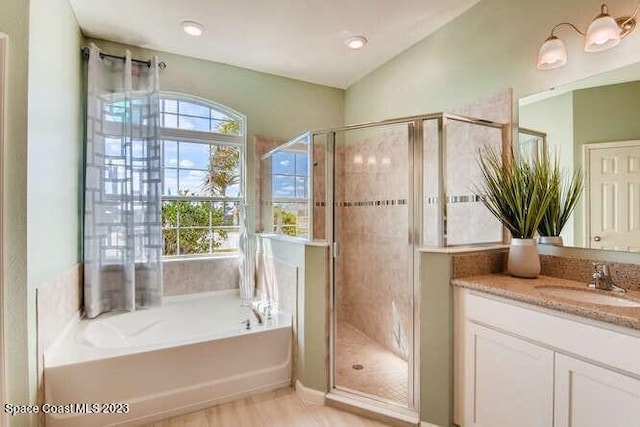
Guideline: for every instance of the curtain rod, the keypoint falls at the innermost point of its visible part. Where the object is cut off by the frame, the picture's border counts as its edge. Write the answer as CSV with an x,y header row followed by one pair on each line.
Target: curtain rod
x,y
85,52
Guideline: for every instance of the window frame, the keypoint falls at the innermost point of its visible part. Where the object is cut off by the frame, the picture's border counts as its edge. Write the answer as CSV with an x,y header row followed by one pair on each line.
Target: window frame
x,y
209,138
296,200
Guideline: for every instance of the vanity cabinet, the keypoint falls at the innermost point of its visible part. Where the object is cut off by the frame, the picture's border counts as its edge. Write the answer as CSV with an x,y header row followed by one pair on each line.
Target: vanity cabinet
x,y
518,364
510,379
587,395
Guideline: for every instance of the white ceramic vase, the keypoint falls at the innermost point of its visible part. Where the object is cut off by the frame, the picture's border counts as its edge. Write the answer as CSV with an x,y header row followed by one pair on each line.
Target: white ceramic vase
x,y
523,258
551,240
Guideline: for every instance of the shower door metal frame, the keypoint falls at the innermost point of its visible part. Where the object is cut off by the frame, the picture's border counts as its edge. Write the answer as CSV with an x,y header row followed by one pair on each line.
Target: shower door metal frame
x,y
415,234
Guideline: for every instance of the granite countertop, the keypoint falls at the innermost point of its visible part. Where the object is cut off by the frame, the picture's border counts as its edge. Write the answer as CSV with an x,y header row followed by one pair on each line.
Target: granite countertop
x,y
524,290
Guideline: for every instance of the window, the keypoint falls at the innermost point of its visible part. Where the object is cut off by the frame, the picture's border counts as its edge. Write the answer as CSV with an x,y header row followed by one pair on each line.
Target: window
x,y
203,171
289,190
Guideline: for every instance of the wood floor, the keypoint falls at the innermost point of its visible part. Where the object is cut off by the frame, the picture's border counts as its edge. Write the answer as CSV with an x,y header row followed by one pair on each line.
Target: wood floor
x,y
281,408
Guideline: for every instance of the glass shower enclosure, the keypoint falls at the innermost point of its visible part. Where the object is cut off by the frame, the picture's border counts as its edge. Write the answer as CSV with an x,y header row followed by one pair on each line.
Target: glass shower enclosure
x,y
377,193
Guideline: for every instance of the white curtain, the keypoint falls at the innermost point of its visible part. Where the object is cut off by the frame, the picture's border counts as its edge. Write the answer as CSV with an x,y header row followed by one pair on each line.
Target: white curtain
x,y
123,186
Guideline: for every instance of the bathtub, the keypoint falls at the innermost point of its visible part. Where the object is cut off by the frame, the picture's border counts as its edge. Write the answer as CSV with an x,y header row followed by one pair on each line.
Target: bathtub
x,y
138,367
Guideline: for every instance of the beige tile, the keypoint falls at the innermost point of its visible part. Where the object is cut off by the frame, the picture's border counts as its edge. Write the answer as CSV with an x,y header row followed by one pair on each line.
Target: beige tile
x,y
384,374
190,276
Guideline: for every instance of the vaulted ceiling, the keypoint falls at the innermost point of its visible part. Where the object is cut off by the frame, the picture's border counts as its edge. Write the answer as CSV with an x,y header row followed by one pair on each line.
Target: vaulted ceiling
x,y
301,39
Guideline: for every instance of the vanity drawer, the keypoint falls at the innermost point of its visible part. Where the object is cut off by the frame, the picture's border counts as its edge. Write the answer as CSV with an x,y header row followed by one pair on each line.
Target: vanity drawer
x,y
599,342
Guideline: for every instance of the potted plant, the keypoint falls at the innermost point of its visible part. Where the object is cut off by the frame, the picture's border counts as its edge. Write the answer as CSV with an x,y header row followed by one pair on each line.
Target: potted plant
x,y
565,190
515,192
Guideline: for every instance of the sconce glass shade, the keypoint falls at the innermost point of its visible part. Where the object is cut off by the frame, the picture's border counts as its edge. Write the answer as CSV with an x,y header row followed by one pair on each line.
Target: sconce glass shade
x,y
552,54
603,33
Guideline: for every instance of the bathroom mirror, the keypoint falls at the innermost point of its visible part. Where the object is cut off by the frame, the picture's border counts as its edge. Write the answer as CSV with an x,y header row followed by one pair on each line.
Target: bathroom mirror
x,y
594,124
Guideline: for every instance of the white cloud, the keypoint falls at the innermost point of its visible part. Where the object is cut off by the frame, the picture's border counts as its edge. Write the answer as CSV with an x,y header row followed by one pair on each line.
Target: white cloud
x,y
186,163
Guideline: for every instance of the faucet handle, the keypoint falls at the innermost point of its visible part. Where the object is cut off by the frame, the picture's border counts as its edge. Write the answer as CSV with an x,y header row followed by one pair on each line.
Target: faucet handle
x,y
601,269
246,323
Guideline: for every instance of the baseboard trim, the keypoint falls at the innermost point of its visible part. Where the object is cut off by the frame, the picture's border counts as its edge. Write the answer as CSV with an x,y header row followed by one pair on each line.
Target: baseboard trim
x,y
309,396
426,424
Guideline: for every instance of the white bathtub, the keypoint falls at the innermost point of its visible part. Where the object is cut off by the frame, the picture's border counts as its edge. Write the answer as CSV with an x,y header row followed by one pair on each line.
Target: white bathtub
x,y
181,357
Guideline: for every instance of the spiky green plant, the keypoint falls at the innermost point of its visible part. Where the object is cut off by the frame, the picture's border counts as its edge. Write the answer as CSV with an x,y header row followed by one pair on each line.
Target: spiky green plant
x,y
565,190
514,191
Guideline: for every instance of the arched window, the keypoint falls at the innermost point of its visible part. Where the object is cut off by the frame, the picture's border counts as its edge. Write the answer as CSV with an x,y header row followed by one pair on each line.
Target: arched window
x,y
203,158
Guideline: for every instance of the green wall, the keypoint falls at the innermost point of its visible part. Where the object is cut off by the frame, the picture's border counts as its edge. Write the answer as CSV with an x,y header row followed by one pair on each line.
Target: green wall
x,y
55,140
41,193
14,21
490,47
598,114
54,152
603,114
606,114
554,116
436,344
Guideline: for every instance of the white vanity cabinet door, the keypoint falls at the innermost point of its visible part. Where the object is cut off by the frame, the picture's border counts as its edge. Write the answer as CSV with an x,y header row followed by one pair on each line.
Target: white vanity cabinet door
x,y
507,381
587,395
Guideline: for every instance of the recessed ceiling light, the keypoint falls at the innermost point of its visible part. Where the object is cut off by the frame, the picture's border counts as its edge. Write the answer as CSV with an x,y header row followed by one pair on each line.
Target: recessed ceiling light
x,y
192,28
356,42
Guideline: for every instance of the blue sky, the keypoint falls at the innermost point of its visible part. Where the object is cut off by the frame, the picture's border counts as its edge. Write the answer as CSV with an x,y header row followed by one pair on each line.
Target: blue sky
x,y
289,174
193,159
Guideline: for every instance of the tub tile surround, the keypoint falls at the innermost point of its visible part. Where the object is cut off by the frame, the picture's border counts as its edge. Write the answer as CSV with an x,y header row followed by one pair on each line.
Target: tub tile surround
x,y
59,302
261,146
197,275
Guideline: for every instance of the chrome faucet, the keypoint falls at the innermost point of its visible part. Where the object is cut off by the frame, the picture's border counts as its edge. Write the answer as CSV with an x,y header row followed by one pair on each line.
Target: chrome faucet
x,y
602,279
257,313
264,307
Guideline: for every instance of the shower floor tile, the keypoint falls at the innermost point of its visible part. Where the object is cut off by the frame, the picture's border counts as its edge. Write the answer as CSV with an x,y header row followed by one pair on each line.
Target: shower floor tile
x,y
383,374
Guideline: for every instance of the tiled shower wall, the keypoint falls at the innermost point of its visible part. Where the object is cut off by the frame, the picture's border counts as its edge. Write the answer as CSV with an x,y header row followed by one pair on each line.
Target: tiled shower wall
x,y
59,301
261,146
319,147
467,222
372,274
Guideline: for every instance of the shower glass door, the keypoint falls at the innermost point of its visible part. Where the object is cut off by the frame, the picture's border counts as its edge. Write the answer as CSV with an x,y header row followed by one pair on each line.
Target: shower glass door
x,y
373,263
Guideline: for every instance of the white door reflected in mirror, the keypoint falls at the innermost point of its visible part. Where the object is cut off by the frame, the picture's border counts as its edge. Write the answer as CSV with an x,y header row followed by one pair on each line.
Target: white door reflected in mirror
x,y
613,195
588,114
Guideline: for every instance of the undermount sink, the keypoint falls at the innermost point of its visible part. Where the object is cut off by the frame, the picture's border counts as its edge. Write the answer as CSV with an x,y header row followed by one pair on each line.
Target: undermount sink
x,y
588,296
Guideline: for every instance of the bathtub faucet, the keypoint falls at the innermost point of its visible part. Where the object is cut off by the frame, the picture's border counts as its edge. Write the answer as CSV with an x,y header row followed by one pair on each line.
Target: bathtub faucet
x,y
262,310
257,313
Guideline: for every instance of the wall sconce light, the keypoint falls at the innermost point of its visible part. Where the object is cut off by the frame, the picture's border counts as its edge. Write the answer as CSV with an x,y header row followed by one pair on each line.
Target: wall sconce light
x,y
603,33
